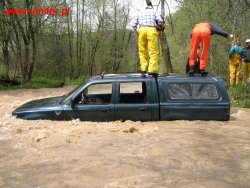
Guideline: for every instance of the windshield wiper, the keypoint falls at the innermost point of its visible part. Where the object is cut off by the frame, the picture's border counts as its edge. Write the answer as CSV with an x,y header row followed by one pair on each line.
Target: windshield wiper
x,y
60,99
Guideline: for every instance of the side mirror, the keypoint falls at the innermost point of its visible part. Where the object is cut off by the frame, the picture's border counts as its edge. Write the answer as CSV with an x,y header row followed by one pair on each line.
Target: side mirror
x,y
72,103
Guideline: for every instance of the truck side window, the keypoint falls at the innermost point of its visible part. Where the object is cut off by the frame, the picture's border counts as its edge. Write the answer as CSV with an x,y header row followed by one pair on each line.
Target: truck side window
x,y
195,91
133,92
96,94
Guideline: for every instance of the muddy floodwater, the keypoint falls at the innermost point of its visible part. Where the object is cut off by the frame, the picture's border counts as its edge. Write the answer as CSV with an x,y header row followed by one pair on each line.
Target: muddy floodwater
x,y
43,153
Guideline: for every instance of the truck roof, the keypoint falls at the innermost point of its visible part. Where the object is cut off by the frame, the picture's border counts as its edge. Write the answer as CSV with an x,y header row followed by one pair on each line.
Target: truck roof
x,y
125,76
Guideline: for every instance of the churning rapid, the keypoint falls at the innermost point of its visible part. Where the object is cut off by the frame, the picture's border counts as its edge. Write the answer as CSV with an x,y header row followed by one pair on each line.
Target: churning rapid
x,y
120,154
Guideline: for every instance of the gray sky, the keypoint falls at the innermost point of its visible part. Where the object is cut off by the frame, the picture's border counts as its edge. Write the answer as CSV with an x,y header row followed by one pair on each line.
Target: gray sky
x,y
140,4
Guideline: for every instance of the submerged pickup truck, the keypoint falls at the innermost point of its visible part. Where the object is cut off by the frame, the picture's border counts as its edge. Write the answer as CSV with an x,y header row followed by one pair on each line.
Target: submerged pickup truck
x,y
132,97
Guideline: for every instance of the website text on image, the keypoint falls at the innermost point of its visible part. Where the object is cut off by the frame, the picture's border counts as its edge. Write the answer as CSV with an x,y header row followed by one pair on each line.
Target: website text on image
x,y
38,11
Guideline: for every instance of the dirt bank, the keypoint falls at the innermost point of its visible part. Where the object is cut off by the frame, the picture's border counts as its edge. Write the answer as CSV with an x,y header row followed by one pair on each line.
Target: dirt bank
x,y
121,154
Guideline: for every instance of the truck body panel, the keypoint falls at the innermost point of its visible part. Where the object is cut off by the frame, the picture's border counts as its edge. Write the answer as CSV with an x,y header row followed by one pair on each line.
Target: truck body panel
x,y
132,97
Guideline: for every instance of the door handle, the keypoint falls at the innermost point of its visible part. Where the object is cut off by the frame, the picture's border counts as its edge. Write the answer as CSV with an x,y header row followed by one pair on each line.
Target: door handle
x,y
143,109
106,110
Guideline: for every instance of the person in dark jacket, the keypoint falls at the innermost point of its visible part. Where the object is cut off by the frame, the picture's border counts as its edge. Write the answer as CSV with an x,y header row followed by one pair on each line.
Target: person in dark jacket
x,y
201,34
246,61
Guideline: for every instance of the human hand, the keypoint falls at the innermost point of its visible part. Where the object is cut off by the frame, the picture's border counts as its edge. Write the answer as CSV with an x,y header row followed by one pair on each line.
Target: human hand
x,y
160,27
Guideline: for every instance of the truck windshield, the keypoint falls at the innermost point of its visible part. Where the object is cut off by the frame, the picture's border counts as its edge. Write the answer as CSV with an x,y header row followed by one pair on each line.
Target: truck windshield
x,y
65,97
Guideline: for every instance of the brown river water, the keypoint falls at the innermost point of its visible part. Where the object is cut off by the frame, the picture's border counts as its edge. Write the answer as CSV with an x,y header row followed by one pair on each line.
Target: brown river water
x,y
43,153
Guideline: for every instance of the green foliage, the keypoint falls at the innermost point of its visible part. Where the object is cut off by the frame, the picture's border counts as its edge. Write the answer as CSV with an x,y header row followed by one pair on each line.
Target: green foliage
x,y
35,83
239,95
234,19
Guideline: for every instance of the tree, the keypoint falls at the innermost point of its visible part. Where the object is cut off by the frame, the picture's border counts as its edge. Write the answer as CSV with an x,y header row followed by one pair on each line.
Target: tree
x,y
5,36
164,45
163,41
25,29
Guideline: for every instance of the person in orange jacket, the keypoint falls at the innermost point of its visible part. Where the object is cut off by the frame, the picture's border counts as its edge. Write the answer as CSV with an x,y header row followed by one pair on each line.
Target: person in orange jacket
x,y
201,34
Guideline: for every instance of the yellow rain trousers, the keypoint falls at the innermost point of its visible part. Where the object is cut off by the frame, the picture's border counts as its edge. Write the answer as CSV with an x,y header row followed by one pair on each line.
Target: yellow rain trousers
x,y
246,70
148,49
234,69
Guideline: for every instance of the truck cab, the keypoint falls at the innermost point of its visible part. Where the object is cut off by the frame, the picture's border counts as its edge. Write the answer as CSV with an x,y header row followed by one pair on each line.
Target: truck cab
x,y
132,97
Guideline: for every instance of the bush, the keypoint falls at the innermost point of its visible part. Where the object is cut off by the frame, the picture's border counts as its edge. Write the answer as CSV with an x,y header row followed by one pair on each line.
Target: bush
x,y
239,95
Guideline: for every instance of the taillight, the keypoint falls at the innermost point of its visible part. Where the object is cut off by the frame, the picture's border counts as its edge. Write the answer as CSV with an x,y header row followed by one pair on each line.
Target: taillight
x,y
228,113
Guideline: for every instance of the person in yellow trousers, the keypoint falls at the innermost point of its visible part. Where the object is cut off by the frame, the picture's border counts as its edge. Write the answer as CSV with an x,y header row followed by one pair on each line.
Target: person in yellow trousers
x,y
246,61
148,46
236,54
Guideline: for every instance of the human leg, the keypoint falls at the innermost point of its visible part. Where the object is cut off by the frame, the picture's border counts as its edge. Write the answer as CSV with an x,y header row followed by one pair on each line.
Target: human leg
x,y
205,42
142,48
237,73
153,50
246,70
231,72
194,44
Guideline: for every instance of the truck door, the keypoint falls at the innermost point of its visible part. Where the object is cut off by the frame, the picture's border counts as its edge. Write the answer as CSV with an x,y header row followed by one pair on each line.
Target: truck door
x,y
132,101
94,103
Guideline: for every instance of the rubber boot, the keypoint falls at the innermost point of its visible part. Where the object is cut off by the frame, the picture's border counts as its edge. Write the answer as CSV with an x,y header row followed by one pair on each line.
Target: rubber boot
x,y
143,74
204,73
191,71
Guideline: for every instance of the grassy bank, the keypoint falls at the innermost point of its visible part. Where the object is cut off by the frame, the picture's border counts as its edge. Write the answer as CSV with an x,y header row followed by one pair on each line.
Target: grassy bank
x,y
43,82
239,95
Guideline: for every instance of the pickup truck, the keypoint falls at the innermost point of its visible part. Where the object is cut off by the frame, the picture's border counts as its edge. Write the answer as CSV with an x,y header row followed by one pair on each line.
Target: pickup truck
x,y
123,97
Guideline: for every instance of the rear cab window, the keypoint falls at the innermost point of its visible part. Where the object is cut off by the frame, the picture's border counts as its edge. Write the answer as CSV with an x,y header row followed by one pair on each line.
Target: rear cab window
x,y
185,90
193,91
